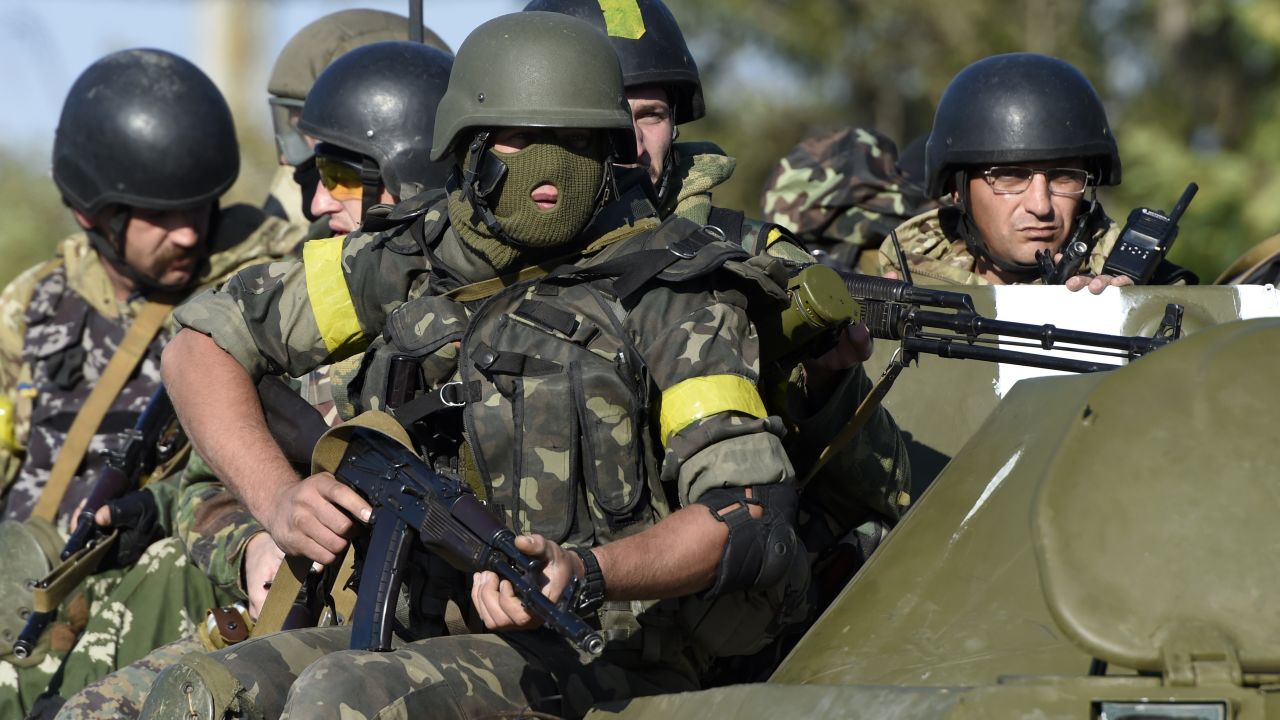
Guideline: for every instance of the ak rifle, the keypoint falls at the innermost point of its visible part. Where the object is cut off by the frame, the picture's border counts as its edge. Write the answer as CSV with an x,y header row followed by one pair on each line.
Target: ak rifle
x,y
412,503
153,439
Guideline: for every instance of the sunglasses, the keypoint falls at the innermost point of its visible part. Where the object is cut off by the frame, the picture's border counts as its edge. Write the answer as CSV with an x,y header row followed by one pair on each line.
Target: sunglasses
x,y
340,177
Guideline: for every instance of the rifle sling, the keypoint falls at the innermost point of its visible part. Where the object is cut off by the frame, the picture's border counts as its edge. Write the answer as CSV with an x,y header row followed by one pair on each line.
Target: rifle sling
x,y
67,576
284,591
860,417
131,351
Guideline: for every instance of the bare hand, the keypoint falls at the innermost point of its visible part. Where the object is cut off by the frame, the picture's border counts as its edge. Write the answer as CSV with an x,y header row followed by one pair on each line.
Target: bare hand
x,y
262,558
1097,284
314,518
496,601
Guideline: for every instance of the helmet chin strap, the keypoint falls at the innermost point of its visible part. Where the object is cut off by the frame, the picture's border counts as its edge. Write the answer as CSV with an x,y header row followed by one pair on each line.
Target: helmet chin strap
x,y
973,239
109,243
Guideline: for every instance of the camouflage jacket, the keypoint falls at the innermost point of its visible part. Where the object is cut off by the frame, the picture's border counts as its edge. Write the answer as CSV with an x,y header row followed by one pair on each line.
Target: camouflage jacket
x,y
842,192
60,323
935,249
292,317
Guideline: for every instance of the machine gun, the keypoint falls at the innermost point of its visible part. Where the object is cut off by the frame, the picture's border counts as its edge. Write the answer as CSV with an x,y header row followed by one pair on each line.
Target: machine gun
x,y
935,322
895,310
408,499
154,439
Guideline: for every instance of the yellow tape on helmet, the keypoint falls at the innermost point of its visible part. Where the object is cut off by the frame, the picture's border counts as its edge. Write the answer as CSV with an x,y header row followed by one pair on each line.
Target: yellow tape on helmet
x,y
327,290
698,397
622,19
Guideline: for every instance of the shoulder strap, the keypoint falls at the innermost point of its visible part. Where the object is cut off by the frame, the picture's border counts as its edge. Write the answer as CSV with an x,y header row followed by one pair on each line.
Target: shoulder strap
x,y
132,349
729,221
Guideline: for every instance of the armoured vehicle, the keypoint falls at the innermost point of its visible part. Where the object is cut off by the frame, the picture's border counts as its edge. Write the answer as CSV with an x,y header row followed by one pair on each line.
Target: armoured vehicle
x,y
1091,550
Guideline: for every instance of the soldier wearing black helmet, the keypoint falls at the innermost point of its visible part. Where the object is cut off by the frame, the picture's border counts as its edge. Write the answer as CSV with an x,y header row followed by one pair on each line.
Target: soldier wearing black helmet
x,y
144,148
303,58
1020,144
372,113
534,187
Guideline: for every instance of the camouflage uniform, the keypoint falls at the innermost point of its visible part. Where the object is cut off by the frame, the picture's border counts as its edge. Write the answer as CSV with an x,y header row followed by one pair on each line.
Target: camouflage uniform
x,y
842,193
681,335
61,324
935,249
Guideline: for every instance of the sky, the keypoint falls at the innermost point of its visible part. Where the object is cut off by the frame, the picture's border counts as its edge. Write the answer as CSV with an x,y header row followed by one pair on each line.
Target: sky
x,y
45,45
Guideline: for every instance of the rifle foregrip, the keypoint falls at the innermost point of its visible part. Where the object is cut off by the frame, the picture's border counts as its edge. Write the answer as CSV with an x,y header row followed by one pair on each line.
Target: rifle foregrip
x,y
553,616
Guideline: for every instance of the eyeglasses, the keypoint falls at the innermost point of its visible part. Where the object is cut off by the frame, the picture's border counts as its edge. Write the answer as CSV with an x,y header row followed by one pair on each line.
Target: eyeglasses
x,y
340,178
1015,179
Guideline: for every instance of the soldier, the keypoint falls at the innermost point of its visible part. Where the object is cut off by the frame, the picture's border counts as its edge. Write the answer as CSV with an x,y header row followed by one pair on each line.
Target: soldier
x,y
534,147
1019,144
303,58
373,108
842,192
865,486
144,148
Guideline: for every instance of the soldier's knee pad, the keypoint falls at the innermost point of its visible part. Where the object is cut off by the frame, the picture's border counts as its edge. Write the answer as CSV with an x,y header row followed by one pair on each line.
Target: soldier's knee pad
x,y
198,687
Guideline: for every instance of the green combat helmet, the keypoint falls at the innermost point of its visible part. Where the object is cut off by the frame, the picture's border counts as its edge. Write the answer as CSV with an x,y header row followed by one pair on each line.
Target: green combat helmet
x,y
567,77
310,51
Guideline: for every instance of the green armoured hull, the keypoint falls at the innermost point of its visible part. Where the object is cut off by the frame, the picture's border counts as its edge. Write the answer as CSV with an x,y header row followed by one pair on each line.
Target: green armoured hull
x,y
1096,549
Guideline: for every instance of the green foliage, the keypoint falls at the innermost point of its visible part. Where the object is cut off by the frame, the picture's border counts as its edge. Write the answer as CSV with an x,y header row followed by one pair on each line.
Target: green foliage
x,y
34,216
1192,89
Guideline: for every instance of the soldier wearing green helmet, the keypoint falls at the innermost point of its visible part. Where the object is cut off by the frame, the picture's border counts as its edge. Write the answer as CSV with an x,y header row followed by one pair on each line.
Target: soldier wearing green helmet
x,y
603,364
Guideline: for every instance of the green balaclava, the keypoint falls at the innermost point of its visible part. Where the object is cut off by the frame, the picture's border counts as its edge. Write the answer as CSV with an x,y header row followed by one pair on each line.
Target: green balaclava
x,y
526,230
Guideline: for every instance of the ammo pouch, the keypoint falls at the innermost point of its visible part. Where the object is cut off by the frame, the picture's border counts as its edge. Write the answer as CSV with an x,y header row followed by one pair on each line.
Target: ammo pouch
x,y
422,330
30,550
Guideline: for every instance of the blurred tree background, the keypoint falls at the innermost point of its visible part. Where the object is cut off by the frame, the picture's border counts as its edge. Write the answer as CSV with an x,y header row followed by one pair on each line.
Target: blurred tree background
x,y
1192,89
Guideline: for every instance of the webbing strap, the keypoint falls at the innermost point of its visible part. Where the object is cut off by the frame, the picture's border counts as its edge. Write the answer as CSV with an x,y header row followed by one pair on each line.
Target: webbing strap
x,y
284,591
860,417
67,576
132,348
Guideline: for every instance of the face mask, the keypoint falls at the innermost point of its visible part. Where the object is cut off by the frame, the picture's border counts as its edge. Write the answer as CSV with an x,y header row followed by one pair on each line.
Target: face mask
x,y
576,176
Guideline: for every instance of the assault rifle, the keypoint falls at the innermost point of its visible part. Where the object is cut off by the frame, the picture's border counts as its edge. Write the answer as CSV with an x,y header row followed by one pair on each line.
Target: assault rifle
x,y
154,439
408,499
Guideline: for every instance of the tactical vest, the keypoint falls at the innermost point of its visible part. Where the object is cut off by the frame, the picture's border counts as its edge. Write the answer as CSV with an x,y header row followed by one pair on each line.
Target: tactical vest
x,y
550,401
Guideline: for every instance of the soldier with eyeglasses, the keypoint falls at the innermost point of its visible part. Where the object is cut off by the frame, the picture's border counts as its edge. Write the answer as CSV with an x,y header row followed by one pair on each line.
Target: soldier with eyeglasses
x,y
1019,145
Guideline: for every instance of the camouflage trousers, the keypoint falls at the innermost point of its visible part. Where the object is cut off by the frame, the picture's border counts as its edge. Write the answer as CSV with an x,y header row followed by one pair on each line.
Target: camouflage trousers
x,y
130,613
307,674
119,696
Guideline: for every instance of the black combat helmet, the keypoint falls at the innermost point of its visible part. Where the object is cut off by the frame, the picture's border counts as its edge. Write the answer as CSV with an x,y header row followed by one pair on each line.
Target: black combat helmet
x,y
1015,108
649,45
311,50
379,102
144,128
